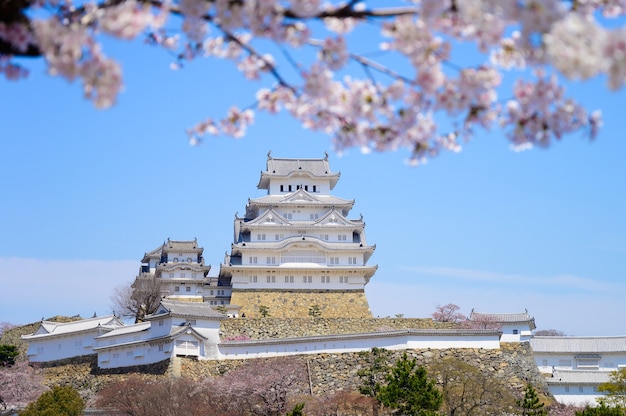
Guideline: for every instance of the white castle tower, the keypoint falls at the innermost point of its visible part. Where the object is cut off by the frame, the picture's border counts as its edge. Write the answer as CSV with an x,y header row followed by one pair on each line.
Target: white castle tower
x,y
296,252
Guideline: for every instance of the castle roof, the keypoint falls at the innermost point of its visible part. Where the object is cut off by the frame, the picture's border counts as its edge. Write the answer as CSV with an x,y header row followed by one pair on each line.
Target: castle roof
x,y
283,167
586,377
579,345
185,309
48,328
504,318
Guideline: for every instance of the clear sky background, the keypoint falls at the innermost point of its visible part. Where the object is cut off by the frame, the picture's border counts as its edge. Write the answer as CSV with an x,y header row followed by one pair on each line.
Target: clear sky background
x,y
85,193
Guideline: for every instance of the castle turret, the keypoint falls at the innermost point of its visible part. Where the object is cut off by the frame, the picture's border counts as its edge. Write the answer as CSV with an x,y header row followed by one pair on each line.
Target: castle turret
x,y
296,251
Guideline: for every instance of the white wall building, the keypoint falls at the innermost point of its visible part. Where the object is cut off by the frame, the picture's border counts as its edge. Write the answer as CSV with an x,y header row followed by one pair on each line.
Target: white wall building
x,y
515,327
298,236
576,366
56,341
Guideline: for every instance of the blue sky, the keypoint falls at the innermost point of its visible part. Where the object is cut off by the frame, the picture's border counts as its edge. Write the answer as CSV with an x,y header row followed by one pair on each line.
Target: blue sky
x,y
86,192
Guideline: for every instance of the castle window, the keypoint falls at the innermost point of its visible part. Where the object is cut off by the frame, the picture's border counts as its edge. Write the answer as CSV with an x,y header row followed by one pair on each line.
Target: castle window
x,y
288,279
260,237
188,259
334,260
252,260
324,237
175,259
177,289
314,188
271,279
253,279
188,289
325,279
515,332
282,188
351,260
161,348
289,188
342,237
160,322
306,187
307,279
343,279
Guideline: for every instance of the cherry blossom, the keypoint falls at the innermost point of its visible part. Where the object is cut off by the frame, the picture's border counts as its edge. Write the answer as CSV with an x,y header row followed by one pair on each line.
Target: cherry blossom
x,y
414,78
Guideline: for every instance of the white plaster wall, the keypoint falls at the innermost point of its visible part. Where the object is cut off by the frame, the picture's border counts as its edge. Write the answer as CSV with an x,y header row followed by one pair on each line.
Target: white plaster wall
x,y
574,397
140,354
611,361
58,348
247,350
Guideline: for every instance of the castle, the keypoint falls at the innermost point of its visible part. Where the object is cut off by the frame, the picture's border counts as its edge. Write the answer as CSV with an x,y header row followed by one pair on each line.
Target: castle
x,y
295,254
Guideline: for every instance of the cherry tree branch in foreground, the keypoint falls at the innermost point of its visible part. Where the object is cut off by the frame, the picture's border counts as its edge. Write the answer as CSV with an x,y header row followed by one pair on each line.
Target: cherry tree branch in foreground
x,y
398,100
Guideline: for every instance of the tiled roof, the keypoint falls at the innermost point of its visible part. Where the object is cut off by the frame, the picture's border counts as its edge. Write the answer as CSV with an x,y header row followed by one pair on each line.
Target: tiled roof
x,y
579,377
57,328
548,344
504,318
320,200
284,166
173,245
190,309
127,329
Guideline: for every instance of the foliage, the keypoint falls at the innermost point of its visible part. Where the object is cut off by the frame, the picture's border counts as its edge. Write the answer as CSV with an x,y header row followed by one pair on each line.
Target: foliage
x,y
297,410
448,313
531,405
373,374
276,381
409,390
136,300
8,353
143,397
264,311
20,384
315,311
394,96
339,403
601,410
615,389
467,391
60,401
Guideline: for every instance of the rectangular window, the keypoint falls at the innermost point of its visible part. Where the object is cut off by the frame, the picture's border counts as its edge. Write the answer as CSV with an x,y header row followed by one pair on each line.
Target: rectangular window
x,y
325,279
289,188
271,260
314,188
161,348
324,237
334,260
515,332
260,237
188,289
565,363
282,188
307,279
177,289
276,237
160,322
253,279
182,275
271,279
252,260
288,279
306,187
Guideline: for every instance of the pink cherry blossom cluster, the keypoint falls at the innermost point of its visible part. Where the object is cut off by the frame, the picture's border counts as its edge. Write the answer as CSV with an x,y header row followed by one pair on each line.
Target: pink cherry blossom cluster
x,y
420,79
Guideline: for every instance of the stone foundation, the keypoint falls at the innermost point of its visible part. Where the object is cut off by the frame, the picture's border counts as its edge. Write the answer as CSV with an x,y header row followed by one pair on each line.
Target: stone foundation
x,y
297,303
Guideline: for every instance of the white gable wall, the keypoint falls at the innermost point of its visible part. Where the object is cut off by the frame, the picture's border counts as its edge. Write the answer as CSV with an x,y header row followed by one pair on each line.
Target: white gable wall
x,y
50,348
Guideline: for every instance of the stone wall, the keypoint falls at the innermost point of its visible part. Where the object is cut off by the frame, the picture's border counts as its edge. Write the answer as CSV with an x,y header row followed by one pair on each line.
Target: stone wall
x,y
264,328
513,365
296,303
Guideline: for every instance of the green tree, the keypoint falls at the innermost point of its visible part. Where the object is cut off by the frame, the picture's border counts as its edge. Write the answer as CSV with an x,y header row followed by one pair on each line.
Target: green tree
x,y
297,410
8,353
468,391
264,311
409,390
615,389
601,410
373,374
60,401
531,405
315,311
